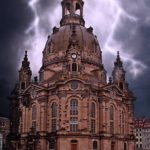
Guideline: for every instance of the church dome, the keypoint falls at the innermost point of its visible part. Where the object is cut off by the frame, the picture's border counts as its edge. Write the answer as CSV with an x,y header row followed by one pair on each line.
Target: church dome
x,y
62,37
72,34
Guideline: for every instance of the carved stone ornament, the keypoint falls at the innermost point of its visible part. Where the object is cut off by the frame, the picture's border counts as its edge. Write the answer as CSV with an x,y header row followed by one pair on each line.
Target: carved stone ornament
x,y
33,94
26,100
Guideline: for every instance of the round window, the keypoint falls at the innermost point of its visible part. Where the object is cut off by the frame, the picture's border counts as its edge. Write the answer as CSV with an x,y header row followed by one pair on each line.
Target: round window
x,y
74,85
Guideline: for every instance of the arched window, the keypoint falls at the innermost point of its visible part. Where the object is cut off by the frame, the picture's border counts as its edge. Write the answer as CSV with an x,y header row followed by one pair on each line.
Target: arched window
x,y
112,145
93,109
125,146
111,116
51,47
74,67
93,117
74,85
121,85
123,123
67,9
73,115
54,117
95,145
21,124
23,85
34,115
78,9
95,45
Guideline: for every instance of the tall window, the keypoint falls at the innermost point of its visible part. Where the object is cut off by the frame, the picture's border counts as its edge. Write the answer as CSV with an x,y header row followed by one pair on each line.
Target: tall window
x,y
67,9
34,115
78,10
54,117
111,119
74,67
123,123
95,145
121,85
93,117
21,124
125,146
23,85
73,115
112,145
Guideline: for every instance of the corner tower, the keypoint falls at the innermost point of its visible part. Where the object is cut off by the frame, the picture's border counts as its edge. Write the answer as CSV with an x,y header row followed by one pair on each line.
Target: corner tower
x,y
119,73
25,73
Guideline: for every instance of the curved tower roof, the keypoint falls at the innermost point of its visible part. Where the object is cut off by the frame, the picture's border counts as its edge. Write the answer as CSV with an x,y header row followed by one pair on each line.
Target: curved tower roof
x,y
72,37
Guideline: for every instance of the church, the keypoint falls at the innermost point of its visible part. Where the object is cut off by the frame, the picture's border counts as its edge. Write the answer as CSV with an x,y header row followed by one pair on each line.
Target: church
x,y
71,105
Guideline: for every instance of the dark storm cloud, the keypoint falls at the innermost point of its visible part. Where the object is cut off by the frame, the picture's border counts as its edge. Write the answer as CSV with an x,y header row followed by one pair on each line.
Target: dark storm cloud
x,y
134,38
46,7
48,4
14,18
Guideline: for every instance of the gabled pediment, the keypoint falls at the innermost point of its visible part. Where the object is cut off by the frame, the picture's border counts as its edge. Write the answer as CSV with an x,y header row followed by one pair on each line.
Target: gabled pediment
x,y
113,88
33,87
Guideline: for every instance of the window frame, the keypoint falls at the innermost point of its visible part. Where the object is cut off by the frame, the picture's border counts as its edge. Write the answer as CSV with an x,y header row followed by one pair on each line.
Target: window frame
x,y
111,117
93,117
54,116
34,116
74,115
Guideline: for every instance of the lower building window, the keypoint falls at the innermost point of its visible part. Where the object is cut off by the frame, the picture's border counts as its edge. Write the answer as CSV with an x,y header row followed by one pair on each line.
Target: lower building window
x,y
74,144
112,145
54,117
34,125
52,144
73,124
23,85
73,115
94,145
111,127
93,125
125,146
53,124
93,117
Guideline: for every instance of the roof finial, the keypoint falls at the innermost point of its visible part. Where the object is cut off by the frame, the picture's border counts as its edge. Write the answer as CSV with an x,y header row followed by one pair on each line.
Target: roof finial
x,y
118,61
26,55
118,55
25,62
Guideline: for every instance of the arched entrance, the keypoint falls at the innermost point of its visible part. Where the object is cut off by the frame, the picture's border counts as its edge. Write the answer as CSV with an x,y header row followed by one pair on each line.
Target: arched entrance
x,y
74,144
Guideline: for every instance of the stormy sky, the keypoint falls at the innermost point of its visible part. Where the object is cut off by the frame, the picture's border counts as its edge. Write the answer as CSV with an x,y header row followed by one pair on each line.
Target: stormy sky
x,y
119,25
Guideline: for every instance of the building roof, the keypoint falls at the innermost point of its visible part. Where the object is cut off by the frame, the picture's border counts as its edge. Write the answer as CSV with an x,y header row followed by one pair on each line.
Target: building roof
x,y
142,123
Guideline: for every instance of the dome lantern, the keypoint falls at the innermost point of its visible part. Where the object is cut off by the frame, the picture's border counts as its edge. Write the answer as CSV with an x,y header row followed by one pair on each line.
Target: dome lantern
x,y
72,12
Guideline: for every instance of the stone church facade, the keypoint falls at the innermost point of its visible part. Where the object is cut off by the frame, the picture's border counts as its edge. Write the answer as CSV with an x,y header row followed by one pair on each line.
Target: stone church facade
x,y
72,106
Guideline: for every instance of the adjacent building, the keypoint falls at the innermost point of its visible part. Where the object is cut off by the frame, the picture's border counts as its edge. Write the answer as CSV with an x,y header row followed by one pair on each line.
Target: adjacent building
x,y
142,133
4,130
72,106
1,141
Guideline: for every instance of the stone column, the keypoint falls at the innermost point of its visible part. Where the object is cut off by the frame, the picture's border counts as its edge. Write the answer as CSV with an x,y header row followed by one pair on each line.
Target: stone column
x,y
43,116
